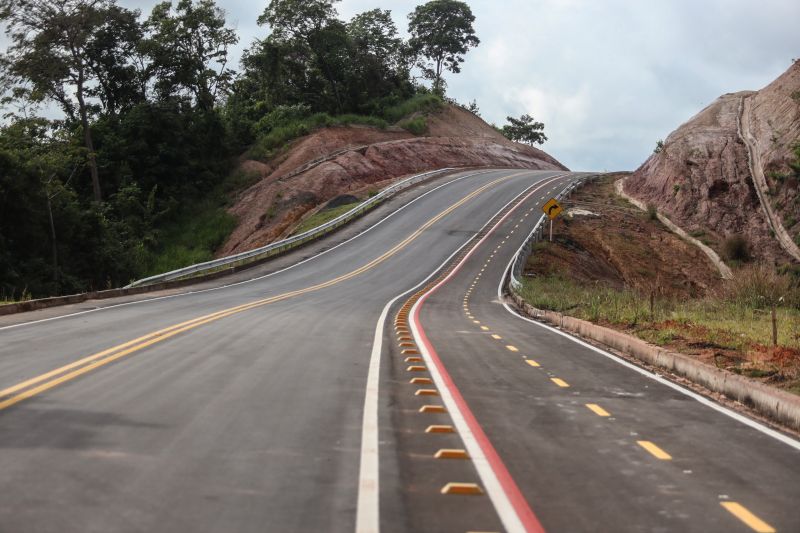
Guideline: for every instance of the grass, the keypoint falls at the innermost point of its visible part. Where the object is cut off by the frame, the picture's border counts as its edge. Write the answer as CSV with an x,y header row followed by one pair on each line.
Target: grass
x,y
199,228
420,103
267,144
416,125
270,142
321,217
192,237
726,324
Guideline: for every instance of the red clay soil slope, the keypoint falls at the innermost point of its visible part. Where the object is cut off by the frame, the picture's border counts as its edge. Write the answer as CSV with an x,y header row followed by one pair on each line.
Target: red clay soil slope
x,y
356,160
701,178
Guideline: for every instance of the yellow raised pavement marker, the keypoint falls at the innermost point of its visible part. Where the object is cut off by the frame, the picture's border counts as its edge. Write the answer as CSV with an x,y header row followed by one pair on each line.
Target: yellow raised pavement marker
x,y
753,522
440,429
450,453
462,488
426,392
532,362
420,381
560,382
654,450
596,409
432,409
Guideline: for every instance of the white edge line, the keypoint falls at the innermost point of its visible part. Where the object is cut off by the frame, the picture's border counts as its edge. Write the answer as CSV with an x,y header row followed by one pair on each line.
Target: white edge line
x,y
702,399
315,256
505,510
368,506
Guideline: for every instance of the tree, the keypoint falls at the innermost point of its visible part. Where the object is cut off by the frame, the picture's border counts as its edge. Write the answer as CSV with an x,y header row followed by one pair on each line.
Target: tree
x,y
316,46
57,47
189,51
297,19
375,34
441,33
525,130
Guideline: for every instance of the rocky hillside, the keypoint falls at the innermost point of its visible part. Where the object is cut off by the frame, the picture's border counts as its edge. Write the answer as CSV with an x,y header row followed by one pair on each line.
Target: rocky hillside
x,y
355,160
726,172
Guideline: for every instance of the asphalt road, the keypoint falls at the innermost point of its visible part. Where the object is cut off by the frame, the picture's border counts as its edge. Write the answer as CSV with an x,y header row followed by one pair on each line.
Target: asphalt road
x,y
267,405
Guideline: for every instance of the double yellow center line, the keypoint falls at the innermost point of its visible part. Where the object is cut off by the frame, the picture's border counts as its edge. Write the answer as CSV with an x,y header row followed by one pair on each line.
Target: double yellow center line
x,y
31,387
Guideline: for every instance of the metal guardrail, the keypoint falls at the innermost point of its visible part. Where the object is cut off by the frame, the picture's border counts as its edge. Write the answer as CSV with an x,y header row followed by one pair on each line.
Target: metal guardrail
x,y
290,242
537,234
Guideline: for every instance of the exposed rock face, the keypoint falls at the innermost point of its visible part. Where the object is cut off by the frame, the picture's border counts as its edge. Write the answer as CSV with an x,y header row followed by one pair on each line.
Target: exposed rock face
x,y
701,178
354,160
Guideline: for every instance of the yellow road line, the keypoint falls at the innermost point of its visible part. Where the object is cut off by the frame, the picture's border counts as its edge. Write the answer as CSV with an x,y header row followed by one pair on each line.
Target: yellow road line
x,y
111,354
532,362
485,328
496,337
657,452
560,382
741,512
596,409
511,348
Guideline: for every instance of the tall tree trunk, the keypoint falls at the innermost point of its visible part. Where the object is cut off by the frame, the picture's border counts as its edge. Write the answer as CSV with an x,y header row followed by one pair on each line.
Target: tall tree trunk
x,y
87,139
55,244
437,84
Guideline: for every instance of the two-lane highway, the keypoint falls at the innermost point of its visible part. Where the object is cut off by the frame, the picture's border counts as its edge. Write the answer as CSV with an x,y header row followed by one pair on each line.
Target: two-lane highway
x,y
381,385
235,409
566,437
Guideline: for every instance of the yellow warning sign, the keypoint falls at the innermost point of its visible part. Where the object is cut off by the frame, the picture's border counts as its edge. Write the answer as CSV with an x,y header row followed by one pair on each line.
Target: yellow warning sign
x,y
552,208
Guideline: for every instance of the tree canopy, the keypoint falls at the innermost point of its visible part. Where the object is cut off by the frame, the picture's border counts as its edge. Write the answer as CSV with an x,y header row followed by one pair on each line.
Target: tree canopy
x,y
525,130
132,178
441,33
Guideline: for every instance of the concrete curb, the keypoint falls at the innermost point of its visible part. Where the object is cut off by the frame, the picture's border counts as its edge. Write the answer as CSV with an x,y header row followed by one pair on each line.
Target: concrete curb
x,y
781,407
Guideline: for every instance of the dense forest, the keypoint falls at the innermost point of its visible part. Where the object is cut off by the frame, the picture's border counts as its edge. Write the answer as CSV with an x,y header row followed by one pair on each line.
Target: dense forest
x,y
133,176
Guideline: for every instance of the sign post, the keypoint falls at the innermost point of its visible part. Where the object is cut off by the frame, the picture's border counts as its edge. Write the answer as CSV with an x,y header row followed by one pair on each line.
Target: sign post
x,y
552,209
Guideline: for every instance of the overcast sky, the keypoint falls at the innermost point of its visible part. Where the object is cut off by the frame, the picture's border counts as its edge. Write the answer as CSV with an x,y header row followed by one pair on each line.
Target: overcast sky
x,y
608,78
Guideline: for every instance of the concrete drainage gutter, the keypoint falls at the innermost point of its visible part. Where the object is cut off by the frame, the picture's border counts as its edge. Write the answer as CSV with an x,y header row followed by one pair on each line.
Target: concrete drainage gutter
x,y
781,407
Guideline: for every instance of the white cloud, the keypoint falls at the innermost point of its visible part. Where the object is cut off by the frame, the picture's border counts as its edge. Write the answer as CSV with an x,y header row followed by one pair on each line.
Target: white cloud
x,y
608,78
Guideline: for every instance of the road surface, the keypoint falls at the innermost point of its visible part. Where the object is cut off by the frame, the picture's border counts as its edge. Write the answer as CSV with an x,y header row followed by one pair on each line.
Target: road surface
x,y
283,403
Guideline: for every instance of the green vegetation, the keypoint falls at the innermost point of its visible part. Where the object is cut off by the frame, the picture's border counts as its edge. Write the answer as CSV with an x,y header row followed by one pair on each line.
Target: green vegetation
x,y
734,321
659,146
525,130
321,217
441,33
416,125
134,177
652,212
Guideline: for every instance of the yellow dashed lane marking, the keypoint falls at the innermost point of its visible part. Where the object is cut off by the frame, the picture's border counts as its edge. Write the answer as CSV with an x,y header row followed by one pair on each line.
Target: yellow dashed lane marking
x,y
495,336
654,450
485,328
532,362
511,348
559,382
753,522
596,409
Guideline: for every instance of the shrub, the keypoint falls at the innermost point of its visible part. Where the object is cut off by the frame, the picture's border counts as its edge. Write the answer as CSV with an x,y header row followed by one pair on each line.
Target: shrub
x,y
422,103
659,147
760,287
736,248
416,125
652,212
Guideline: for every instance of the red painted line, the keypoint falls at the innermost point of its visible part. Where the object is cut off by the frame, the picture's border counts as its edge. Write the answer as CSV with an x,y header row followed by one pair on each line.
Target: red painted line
x,y
509,486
